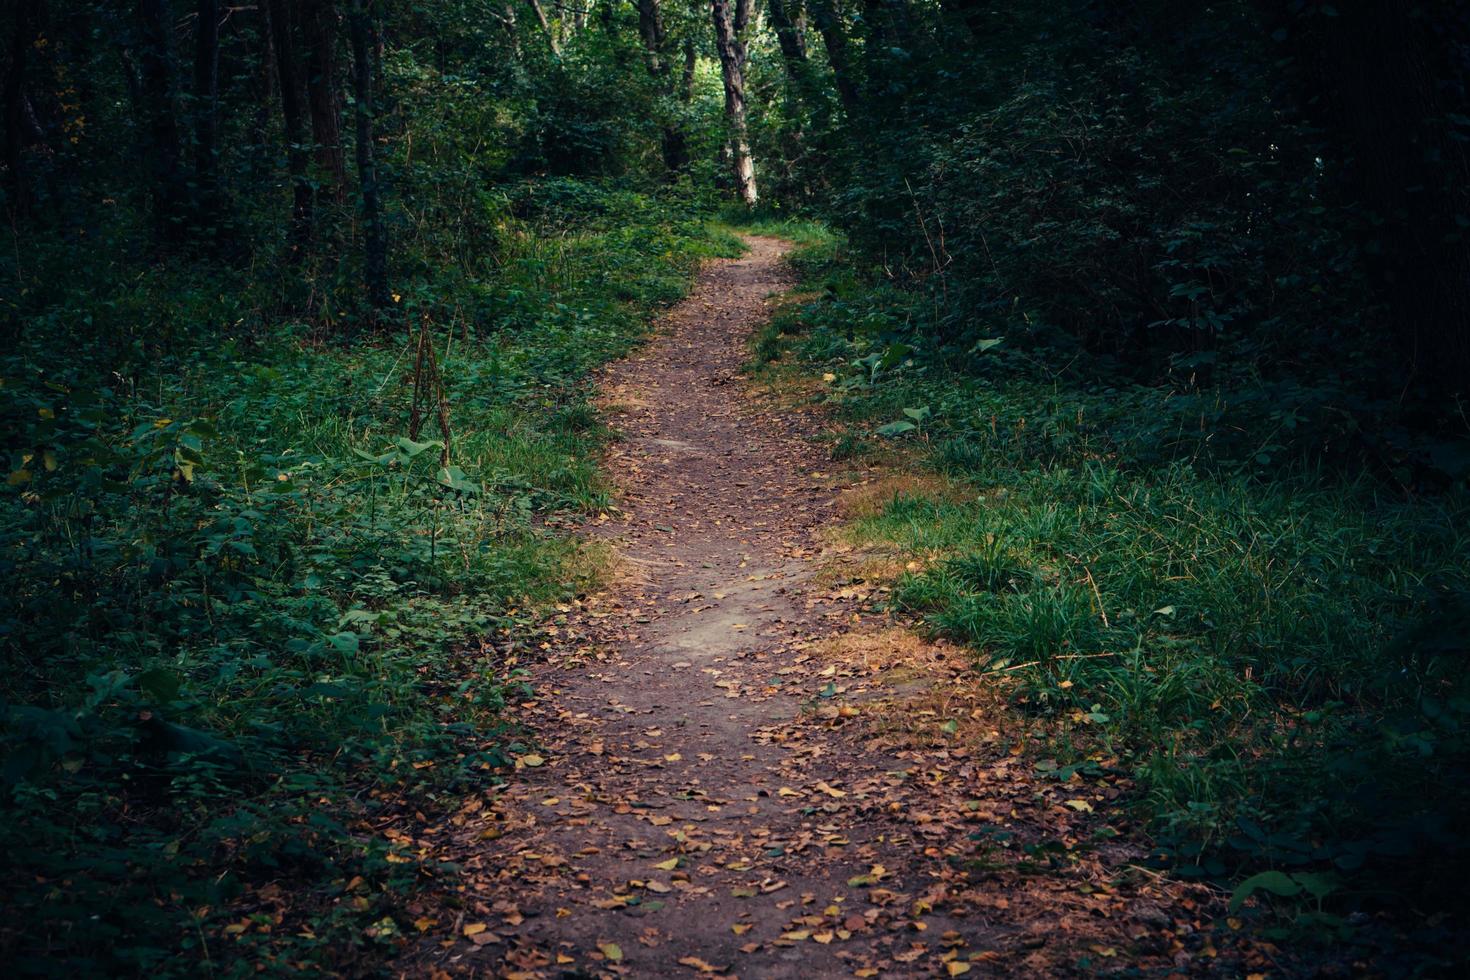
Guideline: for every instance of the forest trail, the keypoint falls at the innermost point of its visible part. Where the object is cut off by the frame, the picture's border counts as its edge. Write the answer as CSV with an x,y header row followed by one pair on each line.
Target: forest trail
x,y
741,771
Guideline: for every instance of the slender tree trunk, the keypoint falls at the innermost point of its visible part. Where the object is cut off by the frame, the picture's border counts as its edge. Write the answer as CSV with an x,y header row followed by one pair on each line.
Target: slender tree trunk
x,y
651,31
319,31
729,25
298,156
691,62
27,14
206,113
551,40
158,89
375,232
265,91
793,44
675,144
508,18
829,24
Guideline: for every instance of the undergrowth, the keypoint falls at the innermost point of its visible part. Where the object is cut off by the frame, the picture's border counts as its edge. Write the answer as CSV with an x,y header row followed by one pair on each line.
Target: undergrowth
x,y
1271,644
248,619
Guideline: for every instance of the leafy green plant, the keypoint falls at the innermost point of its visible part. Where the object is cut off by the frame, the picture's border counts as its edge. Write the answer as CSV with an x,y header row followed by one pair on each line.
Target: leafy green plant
x,y
1269,652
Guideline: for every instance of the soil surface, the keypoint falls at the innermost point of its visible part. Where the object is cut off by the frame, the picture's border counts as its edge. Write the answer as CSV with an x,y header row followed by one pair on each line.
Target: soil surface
x,y
743,769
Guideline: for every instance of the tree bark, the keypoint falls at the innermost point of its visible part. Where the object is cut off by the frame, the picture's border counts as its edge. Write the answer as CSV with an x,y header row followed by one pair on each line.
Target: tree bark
x,y
264,91
691,62
551,40
27,14
793,44
206,113
675,144
375,232
508,18
319,31
829,24
298,156
651,31
159,86
729,25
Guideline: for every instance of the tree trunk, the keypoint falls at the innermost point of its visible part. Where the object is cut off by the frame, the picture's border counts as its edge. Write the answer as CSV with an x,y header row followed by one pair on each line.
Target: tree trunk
x,y
27,15
675,145
508,18
793,44
319,31
829,25
265,92
158,89
375,232
298,157
551,40
691,62
206,114
729,24
651,30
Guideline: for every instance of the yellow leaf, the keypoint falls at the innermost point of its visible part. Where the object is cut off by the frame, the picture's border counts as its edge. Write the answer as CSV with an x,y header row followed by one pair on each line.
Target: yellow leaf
x,y
699,964
956,967
533,760
474,928
612,951
668,865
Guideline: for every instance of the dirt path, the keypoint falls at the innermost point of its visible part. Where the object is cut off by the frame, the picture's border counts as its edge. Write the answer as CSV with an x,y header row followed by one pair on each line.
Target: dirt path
x,y
725,787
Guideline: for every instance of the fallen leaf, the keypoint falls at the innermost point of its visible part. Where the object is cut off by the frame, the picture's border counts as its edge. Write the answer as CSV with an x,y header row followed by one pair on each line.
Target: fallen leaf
x,y
699,964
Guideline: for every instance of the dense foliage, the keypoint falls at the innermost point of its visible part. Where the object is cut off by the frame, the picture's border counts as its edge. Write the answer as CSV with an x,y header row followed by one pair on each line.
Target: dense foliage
x,y
1173,296
1275,660
251,608
301,298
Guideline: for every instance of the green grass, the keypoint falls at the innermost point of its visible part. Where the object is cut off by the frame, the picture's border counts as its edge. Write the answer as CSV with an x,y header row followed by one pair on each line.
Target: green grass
x,y
1273,651
247,620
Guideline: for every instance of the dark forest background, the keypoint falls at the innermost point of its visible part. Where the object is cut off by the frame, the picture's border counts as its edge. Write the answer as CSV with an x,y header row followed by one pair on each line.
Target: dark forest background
x,y
299,302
